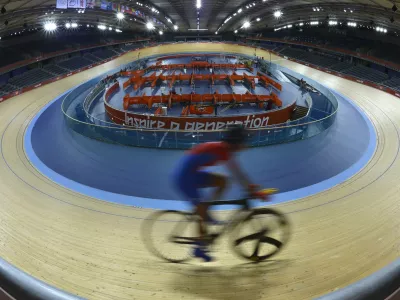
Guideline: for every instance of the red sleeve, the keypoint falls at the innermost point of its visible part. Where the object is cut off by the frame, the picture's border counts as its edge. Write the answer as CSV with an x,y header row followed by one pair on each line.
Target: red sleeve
x,y
219,149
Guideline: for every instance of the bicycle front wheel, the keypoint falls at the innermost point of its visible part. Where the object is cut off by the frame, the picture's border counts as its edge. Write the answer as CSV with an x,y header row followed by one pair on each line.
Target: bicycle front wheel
x,y
170,235
261,234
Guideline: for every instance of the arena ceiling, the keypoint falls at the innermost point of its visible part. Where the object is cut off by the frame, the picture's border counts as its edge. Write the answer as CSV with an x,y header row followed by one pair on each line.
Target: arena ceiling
x,y
214,15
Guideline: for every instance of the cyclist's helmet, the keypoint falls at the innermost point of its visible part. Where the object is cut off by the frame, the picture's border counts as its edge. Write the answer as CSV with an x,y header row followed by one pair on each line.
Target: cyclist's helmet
x,y
236,134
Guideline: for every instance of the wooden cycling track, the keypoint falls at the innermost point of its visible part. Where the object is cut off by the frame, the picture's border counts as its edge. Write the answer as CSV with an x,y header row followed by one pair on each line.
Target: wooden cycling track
x,y
93,249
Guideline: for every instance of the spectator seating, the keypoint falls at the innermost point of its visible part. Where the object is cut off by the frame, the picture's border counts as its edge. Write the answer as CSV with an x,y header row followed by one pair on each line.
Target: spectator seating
x,y
393,83
341,66
8,88
129,47
75,63
105,54
320,60
55,69
91,57
279,48
29,78
367,73
118,50
269,46
294,53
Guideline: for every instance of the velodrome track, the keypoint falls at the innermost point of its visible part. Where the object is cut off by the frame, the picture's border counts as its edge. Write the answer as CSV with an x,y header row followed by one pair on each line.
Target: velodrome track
x,y
93,249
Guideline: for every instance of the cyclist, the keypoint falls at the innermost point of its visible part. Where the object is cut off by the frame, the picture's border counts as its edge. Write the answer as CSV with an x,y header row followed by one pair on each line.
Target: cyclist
x,y
190,176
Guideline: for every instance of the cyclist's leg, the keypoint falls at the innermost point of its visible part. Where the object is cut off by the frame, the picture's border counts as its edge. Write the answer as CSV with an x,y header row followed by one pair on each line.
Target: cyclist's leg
x,y
188,184
219,182
211,180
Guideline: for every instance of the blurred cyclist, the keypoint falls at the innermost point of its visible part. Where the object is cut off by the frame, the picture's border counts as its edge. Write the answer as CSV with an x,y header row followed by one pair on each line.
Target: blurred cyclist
x,y
190,176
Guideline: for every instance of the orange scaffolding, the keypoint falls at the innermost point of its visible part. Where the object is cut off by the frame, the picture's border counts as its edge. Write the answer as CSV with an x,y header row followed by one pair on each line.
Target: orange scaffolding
x,y
137,81
192,99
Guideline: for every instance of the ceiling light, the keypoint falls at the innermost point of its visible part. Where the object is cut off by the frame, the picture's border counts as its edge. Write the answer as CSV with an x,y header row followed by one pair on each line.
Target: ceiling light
x,y
50,26
118,30
176,27
240,10
101,27
198,4
160,32
258,19
74,25
246,25
68,25
110,28
150,25
235,31
278,14
120,16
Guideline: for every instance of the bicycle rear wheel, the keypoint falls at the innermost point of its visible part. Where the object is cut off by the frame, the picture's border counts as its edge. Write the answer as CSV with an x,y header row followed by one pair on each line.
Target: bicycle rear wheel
x,y
260,235
170,235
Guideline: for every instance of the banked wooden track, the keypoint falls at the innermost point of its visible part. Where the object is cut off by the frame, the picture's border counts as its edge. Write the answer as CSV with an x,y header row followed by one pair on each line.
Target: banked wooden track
x,y
93,248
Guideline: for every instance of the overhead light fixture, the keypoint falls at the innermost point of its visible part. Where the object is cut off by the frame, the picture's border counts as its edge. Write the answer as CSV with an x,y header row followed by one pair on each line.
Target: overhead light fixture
x,y
246,25
380,29
240,10
216,32
101,27
236,31
50,26
74,25
352,24
120,16
150,25
258,19
278,14
301,24
314,23
176,27
110,28
160,32
118,30
68,25
332,23
198,4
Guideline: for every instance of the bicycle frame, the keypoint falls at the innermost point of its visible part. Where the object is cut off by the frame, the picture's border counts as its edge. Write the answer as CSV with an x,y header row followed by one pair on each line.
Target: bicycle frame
x,y
243,203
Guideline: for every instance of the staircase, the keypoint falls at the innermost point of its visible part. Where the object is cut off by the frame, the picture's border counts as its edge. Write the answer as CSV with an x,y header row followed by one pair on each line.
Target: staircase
x,y
299,112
